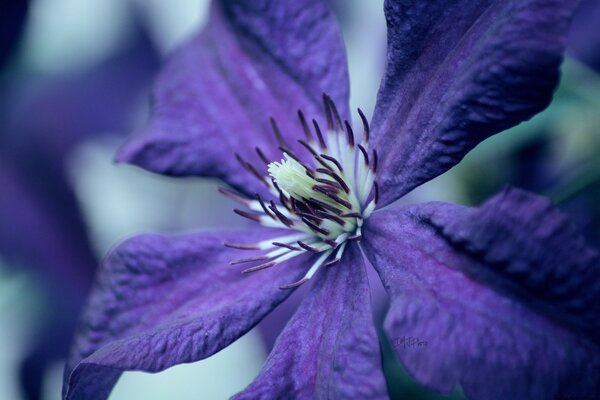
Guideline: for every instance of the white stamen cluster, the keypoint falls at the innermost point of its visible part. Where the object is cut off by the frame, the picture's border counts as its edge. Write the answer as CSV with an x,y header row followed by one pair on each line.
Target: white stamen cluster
x,y
323,201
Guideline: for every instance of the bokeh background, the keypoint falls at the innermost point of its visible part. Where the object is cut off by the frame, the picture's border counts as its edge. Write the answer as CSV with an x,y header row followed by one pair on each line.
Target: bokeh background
x,y
74,82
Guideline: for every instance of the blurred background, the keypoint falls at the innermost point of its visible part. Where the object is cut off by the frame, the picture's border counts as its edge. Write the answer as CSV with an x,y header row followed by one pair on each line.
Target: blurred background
x,y
75,77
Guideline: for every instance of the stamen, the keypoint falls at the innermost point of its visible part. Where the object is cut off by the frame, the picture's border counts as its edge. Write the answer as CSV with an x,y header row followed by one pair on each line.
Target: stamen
x,y
262,156
277,132
241,246
319,134
234,196
324,196
333,160
285,220
365,154
365,123
287,246
307,247
263,206
374,164
305,128
245,214
250,168
250,259
313,269
350,134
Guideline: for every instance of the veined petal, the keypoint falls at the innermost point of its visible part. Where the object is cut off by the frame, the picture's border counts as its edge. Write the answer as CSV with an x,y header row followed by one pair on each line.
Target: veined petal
x,y
458,72
329,349
214,97
161,301
503,300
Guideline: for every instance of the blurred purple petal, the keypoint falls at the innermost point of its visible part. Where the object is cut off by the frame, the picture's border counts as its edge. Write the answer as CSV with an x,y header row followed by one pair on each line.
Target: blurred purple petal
x,y
329,349
43,119
584,37
161,301
214,97
503,300
457,73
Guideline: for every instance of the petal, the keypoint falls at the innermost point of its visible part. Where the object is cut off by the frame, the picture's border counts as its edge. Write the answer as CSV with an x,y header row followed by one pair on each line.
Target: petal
x,y
503,300
457,73
584,41
161,301
216,93
329,349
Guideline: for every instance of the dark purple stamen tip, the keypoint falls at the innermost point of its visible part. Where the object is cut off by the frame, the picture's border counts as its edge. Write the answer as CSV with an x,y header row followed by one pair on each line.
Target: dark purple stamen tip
x,y
305,127
349,133
241,246
284,220
319,134
262,156
277,132
364,153
333,160
315,228
375,161
249,259
287,246
264,207
337,178
327,192
246,214
259,267
307,247
351,215
332,262
234,196
295,284
365,123
250,168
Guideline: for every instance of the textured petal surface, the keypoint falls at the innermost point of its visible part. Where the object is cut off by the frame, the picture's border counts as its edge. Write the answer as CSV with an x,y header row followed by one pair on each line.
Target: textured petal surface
x,y
329,349
504,299
161,301
459,71
214,97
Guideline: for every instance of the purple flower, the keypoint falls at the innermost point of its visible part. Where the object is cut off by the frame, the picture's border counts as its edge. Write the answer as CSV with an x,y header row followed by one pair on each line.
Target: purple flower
x,y
502,299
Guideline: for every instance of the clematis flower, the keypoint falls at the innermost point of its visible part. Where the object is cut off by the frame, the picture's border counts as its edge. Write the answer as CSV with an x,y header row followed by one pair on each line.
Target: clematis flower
x,y
502,299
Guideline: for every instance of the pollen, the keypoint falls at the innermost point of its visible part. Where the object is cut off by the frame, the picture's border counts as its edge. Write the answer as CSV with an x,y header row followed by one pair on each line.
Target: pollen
x,y
322,197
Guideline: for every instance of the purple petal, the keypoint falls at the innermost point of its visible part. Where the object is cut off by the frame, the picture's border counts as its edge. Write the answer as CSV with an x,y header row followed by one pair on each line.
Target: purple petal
x,y
457,73
214,97
503,300
584,40
161,301
329,349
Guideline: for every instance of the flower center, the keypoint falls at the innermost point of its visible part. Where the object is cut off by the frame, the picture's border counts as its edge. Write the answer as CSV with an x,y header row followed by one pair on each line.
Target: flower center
x,y
323,199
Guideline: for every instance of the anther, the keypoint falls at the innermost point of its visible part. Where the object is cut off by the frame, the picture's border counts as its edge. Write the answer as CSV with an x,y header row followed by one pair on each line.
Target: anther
x,y
245,214
240,246
365,123
350,134
364,153
319,134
